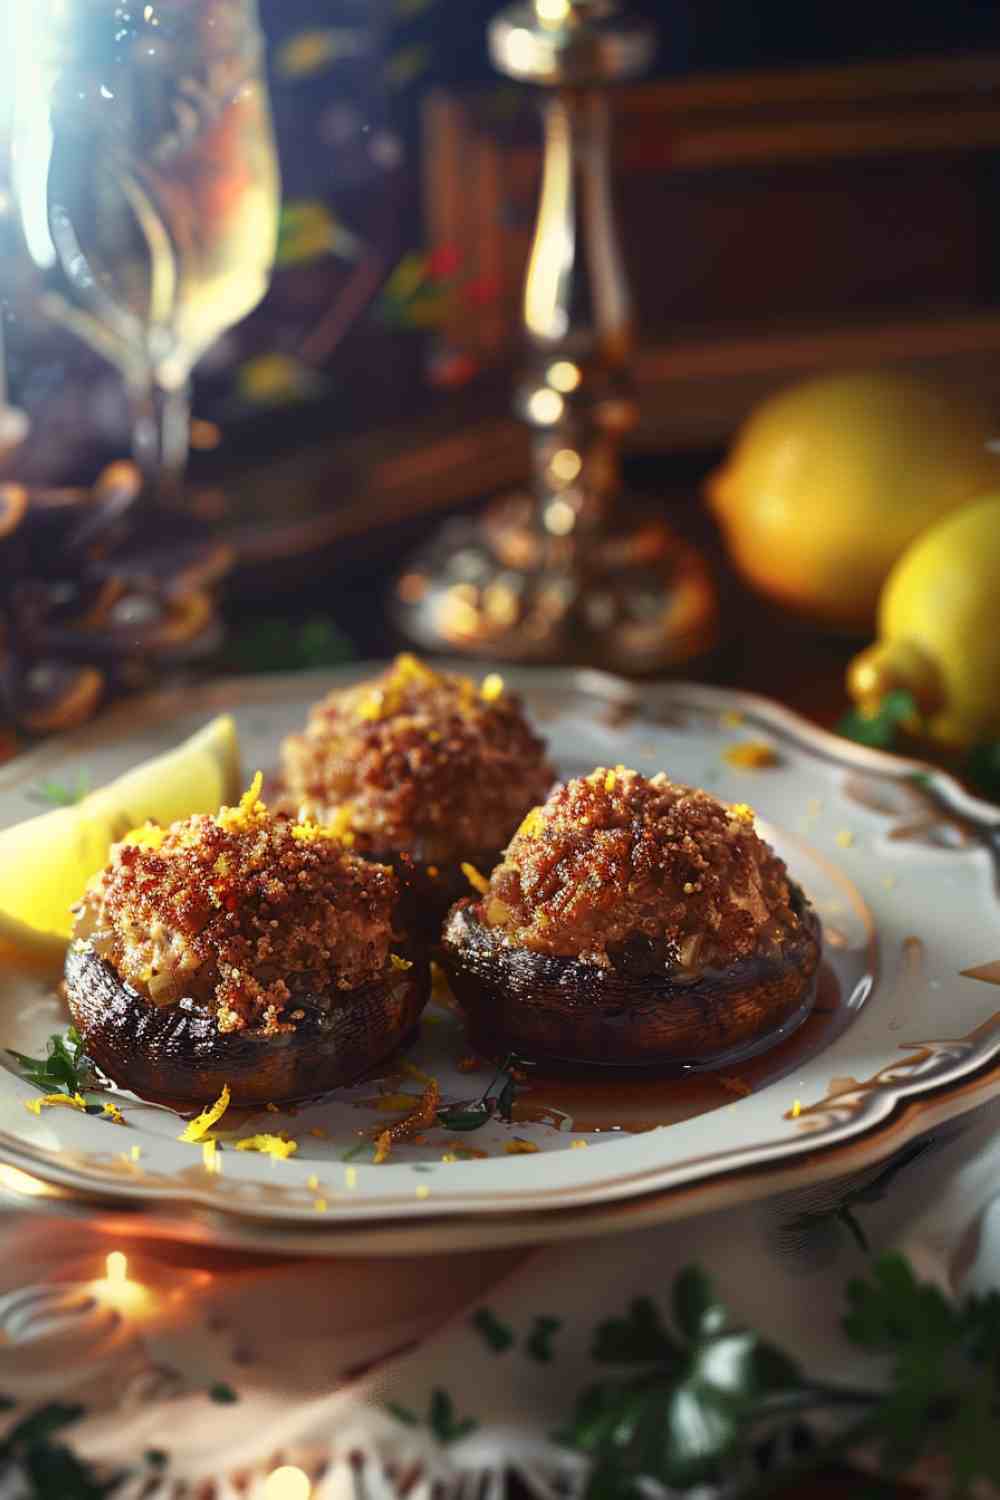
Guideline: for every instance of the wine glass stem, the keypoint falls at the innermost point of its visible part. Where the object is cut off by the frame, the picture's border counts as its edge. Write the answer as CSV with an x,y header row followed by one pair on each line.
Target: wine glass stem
x,y
161,422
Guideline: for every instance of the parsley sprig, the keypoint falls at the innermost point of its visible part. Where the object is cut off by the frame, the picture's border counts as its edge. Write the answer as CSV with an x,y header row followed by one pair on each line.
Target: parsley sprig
x,y
707,1401
497,1099
33,1450
65,1068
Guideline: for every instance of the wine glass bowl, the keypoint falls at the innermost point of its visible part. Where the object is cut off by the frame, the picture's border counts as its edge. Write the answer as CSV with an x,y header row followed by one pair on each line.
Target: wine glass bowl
x,y
146,177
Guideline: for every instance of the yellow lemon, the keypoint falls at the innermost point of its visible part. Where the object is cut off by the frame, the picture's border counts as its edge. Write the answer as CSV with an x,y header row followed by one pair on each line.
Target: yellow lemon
x,y
45,862
938,628
828,482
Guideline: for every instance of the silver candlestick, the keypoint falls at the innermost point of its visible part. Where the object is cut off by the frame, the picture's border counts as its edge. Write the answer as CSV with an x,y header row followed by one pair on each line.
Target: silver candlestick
x,y
572,570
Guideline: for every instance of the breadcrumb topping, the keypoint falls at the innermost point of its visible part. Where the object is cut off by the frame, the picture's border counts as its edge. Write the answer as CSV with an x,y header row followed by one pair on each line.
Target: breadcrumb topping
x,y
245,911
616,856
418,760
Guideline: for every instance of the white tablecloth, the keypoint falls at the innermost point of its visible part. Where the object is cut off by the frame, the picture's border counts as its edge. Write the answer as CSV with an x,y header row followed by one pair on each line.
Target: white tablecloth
x,y
316,1351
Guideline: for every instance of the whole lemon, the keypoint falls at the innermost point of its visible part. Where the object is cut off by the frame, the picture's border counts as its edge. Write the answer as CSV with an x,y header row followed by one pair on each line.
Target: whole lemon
x,y
939,628
828,481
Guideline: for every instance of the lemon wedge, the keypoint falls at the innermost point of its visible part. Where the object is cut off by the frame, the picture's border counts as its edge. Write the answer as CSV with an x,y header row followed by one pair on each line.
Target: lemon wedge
x,y
46,862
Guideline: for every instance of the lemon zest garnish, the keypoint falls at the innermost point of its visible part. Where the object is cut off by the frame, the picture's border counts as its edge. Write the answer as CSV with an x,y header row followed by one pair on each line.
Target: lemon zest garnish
x,y
56,1101
492,687
278,1146
198,1128
312,1182
751,755
210,1158
796,1109
578,1145
135,1152
310,833
423,1191
146,836
337,826
449,1156
531,825
250,810
113,1113
320,1205
743,811
475,879
518,1146
400,964
387,698
350,1177
845,838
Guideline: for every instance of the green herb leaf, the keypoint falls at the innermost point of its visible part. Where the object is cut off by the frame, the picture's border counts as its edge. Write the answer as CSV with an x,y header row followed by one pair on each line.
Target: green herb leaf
x,y
497,1334
64,1070
982,769
62,794
946,1369
881,730
539,1341
276,645
222,1394
444,1424
156,1458
638,1338
39,1426
473,1114
685,1418
54,1470
403,1414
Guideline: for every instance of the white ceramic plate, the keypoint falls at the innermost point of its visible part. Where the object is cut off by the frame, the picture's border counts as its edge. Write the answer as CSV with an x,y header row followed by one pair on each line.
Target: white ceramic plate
x,y
901,864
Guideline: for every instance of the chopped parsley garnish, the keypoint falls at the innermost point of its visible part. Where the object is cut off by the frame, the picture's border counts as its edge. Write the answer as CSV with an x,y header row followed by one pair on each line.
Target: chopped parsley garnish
x,y
498,1099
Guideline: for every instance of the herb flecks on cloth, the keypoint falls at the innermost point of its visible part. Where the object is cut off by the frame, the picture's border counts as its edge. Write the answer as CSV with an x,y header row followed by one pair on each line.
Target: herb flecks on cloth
x,y
36,1465
497,1335
441,1418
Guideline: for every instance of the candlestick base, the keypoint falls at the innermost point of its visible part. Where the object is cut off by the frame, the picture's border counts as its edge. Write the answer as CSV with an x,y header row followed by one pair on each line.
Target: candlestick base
x,y
639,600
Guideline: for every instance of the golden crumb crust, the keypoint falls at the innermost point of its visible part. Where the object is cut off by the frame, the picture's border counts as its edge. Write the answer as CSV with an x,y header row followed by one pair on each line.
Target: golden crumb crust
x,y
418,761
616,856
245,911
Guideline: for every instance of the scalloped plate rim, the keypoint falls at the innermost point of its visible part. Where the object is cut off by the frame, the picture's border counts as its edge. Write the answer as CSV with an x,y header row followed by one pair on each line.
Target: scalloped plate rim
x,y
769,1166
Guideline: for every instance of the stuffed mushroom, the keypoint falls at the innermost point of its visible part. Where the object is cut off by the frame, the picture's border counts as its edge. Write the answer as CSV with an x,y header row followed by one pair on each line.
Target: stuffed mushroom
x,y
634,922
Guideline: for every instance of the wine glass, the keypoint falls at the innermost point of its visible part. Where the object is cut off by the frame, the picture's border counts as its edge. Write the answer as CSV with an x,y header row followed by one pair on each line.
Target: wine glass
x,y
145,174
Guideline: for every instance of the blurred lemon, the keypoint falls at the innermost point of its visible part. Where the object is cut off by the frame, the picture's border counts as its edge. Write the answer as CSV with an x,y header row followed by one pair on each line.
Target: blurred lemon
x,y
938,628
45,863
828,481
